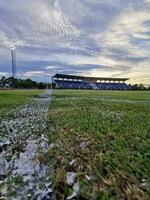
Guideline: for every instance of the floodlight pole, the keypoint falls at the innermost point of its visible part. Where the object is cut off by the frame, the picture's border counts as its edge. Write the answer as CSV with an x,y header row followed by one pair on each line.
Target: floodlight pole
x,y
13,55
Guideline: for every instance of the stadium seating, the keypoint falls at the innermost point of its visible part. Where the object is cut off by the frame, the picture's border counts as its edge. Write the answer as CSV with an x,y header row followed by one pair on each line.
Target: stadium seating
x,y
112,86
62,84
72,84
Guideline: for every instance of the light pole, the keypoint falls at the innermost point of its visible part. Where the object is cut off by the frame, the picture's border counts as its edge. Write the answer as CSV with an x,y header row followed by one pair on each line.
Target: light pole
x,y
13,56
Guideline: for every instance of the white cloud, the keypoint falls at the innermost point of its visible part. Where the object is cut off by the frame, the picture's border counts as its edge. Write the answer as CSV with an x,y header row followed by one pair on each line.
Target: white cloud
x,y
3,74
114,34
31,74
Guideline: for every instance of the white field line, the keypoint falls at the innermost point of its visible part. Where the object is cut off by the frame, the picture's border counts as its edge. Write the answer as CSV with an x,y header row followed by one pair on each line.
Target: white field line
x,y
131,101
23,136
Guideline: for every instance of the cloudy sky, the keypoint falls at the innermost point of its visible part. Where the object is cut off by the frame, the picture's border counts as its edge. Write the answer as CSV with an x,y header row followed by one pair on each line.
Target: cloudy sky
x,y
108,38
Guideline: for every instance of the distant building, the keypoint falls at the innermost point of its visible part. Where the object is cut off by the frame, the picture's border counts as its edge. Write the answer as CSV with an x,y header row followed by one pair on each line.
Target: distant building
x,y
6,86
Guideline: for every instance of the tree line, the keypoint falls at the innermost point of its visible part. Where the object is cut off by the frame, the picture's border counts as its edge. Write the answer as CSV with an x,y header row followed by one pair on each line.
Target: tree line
x,y
139,87
17,83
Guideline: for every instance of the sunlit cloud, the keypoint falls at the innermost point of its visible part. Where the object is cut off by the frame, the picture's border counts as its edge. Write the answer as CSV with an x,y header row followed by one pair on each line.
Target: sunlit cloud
x,y
98,38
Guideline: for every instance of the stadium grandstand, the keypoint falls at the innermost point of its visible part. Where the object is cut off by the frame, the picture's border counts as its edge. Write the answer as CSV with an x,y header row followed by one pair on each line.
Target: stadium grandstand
x,y
63,81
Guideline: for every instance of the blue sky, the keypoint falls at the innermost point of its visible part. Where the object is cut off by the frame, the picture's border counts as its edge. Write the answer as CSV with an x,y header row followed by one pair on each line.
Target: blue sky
x,y
87,37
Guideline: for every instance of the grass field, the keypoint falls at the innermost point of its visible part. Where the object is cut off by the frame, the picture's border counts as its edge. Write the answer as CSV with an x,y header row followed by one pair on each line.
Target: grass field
x,y
106,135
102,137
10,99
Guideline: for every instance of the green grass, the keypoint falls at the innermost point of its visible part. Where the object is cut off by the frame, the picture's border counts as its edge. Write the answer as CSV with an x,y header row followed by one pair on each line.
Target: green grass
x,y
10,99
108,135
125,95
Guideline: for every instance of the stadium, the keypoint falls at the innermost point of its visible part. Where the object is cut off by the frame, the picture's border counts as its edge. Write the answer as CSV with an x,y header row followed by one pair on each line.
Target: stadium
x,y
75,100
63,81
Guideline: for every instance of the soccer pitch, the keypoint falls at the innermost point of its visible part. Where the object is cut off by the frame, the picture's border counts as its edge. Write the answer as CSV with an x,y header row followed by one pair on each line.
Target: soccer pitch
x,y
10,99
96,143
104,137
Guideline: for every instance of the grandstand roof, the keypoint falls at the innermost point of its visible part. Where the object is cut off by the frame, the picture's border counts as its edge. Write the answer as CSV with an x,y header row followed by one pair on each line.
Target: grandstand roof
x,y
64,76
